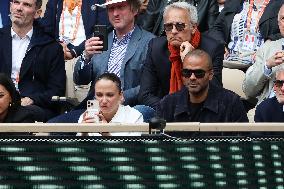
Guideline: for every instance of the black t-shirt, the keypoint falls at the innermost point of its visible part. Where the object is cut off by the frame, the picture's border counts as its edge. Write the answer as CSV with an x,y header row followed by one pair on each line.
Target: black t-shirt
x,y
195,110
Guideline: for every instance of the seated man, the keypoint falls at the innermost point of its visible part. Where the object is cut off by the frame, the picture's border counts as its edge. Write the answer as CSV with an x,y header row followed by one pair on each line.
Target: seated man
x,y
200,100
259,77
161,72
127,50
32,59
272,109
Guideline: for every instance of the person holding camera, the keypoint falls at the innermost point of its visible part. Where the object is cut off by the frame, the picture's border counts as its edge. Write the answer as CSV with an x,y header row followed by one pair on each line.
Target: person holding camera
x,y
126,53
109,95
127,48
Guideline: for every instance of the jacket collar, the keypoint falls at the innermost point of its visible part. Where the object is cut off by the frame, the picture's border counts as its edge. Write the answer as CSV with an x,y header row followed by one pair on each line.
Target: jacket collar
x,y
211,102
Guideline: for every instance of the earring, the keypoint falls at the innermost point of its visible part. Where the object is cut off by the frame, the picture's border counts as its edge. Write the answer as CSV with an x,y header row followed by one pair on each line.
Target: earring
x,y
10,104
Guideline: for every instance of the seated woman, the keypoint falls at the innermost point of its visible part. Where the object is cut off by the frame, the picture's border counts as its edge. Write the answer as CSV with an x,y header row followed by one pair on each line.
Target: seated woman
x,y
109,95
11,110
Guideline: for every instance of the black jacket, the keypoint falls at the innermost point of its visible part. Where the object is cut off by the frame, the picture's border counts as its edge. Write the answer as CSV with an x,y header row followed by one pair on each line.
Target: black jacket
x,y
42,73
270,110
155,79
221,105
19,114
268,24
207,11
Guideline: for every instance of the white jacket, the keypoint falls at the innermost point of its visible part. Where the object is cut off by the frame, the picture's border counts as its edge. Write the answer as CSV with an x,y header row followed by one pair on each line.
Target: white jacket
x,y
124,114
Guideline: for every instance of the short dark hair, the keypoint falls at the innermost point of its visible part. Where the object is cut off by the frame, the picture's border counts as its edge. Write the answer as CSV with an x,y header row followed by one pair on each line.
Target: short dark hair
x,y
201,53
112,77
38,4
8,84
134,4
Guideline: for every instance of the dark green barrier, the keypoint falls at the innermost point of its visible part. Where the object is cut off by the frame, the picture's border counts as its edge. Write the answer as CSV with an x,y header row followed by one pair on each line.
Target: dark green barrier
x,y
89,162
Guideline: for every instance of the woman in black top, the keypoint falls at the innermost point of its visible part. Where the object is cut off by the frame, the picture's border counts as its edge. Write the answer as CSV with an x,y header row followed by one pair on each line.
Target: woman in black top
x,y
11,110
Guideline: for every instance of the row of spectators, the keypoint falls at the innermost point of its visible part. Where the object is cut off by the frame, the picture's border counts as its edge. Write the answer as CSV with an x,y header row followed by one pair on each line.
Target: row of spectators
x,y
173,70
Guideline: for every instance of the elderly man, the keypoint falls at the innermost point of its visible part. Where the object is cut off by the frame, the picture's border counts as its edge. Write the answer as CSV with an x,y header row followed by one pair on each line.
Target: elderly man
x,y
272,109
259,77
126,53
33,59
207,11
199,100
161,72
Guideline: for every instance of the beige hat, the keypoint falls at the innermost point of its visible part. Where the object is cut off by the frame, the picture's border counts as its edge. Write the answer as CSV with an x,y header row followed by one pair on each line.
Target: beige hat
x,y
110,2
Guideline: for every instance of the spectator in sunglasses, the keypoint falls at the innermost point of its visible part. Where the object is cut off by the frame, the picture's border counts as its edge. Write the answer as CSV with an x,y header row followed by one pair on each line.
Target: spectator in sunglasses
x,y
199,100
259,77
272,109
161,72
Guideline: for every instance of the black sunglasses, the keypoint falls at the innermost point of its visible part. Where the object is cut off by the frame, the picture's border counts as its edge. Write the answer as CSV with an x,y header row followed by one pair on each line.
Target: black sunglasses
x,y
278,83
198,73
179,26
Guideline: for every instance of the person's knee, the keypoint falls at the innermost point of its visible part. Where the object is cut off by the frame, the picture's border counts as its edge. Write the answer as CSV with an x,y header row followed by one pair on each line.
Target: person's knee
x,y
146,111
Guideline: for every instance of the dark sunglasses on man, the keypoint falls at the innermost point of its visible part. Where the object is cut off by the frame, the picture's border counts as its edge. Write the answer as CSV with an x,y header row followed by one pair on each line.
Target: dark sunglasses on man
x,y
278,83
179,26
199,73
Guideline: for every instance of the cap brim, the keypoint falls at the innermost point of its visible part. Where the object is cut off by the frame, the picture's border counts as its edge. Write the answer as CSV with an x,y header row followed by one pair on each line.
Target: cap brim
x,y
110,3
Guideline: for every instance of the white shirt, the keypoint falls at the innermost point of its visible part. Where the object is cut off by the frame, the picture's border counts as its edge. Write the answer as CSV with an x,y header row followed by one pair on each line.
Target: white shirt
x,y
19,49
69,26
124,114
239,33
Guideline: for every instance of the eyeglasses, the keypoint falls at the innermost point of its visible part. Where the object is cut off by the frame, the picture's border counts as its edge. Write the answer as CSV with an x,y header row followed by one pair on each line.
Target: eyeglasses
x,y
179,26
199,73
278,83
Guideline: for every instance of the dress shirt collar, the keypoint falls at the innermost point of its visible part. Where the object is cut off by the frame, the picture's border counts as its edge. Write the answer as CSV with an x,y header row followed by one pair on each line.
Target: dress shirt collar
x,y
28,35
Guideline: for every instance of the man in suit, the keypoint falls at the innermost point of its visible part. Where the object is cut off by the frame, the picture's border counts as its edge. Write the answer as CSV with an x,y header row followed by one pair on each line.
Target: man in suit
x,y
126,53
259,77
161,72
32,59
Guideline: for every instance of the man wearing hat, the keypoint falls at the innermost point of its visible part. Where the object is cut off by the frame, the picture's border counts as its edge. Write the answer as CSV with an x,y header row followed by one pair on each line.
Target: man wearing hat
x,y
127,49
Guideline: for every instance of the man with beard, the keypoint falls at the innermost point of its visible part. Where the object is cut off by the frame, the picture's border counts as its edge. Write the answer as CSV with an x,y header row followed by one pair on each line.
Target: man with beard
x,y
32,59
199,100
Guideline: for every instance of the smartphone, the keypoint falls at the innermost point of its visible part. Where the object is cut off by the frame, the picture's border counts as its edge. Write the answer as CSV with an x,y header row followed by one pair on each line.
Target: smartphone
x,y
93,108
101,32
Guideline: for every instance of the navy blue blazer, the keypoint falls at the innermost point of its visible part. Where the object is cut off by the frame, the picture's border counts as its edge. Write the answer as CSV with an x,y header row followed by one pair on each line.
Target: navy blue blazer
x,y
269,110
42,73
90,18
130,73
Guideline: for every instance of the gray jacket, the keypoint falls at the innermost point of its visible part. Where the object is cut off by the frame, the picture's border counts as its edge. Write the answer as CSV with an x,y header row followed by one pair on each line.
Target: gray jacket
x,y
256,83
130,69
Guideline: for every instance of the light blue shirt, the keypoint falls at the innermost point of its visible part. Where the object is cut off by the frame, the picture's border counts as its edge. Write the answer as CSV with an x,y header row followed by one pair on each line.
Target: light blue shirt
x,y
1,25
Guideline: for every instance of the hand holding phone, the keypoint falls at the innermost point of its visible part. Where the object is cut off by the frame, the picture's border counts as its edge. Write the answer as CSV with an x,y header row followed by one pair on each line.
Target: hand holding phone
x,y
101,32
93,109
